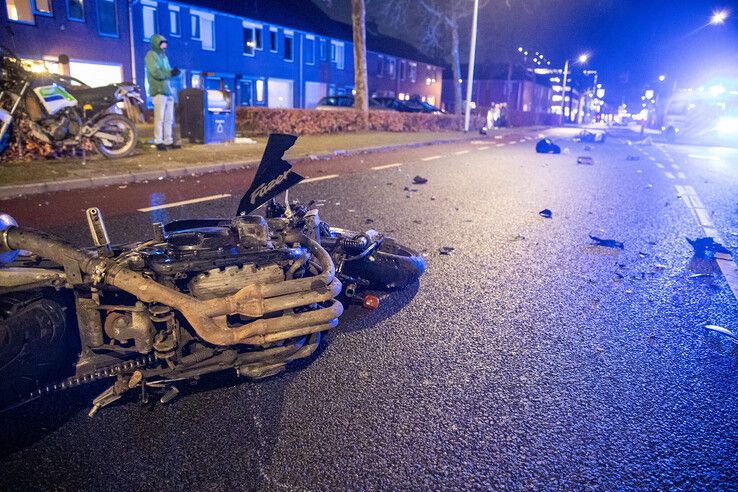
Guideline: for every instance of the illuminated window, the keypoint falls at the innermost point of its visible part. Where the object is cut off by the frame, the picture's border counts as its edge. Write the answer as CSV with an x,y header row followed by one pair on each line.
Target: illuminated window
x,y
259,91
391,68
43,7
413,72
19,10
149,21
175,22
75,10
337,54
251,38
107,18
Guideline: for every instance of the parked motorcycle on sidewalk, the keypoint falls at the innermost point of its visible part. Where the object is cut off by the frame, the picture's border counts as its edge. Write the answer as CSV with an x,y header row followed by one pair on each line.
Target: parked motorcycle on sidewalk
x,y
60,115
248,293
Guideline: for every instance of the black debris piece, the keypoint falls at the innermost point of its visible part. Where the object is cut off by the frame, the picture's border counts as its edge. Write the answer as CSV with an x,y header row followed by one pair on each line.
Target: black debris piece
x,y
586,160
587,148
633,158
546,146
417,221
409,189
369,221
706,247
446,250
419,180
546,213
607,243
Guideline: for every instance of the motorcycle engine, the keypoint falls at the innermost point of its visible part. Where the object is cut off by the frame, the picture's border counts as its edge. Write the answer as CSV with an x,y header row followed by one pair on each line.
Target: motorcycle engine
x,y
57,128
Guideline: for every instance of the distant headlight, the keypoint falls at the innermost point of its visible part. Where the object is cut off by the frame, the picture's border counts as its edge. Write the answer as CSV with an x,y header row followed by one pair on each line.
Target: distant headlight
x,y
727,125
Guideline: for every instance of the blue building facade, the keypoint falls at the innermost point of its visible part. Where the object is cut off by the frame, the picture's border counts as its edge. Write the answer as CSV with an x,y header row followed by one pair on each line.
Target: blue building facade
x,y
270,53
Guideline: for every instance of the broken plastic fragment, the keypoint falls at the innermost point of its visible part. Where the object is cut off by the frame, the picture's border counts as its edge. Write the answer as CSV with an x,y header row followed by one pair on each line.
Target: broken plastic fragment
x,y
419,180
546,213
723,331
586,160
607,243
706,247
546,146
446,250
633,158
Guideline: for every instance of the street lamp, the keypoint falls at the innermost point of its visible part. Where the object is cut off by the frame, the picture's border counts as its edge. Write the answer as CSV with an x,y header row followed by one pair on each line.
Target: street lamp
x,y
581,59
662,78
718,17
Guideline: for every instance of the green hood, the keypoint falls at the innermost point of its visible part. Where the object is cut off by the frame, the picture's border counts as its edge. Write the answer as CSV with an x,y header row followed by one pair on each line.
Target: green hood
x,y
156,40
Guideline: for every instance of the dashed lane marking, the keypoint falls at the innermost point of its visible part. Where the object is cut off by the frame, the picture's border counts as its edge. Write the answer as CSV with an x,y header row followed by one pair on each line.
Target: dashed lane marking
x,y
659,165
318,178
431,158
675,167
500,145
461,152
681,175
185,202
669,175
387,166
486,147
498,137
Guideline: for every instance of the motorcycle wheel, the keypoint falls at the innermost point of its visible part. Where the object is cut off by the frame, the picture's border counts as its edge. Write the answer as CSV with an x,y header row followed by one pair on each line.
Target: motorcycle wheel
x,y
390,266
117,125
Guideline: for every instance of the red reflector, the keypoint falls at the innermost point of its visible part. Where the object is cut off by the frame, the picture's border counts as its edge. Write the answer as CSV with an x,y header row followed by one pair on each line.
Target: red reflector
x,y
371,302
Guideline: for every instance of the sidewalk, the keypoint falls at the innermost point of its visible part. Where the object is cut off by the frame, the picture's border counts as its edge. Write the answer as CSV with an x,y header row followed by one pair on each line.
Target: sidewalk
x,y
27,178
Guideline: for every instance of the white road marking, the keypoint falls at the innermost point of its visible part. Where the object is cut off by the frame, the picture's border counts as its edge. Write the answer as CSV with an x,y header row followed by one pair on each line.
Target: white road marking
x,y
698,210
461,152
477,142
319,178
431,158
669,175
659,165
498,137
681,175
705,157
675,166
500,145
521,140
387,166
185,202
652,158
483,148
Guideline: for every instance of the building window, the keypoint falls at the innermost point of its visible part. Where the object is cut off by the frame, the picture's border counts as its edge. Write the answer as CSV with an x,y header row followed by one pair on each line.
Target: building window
x,y
20,10
309,49
42,7
390,69
289,54
249,43
323,49
380,66
149,21
175,22
273,40
75,10
413,72
259,91
402,69
195,27
107,18
337,54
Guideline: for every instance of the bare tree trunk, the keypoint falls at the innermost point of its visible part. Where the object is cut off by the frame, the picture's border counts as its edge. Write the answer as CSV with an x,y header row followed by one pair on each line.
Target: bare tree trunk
x,y
361,101
456,63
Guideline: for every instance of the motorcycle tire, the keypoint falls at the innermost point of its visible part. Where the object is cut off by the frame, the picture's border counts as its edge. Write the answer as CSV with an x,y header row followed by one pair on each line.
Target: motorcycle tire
x,y
37,343
117,124
391,266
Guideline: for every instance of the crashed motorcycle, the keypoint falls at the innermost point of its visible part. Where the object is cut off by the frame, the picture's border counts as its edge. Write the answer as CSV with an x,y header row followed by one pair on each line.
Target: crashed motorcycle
x,y
249,293
60,114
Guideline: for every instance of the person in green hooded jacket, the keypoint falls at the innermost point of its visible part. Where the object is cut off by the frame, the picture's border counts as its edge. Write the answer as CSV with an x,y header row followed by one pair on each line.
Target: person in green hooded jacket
x,y
159,74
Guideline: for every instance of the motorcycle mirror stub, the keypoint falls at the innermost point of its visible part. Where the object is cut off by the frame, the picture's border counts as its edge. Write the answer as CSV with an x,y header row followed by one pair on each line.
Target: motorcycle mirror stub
x,y
7,254
64,59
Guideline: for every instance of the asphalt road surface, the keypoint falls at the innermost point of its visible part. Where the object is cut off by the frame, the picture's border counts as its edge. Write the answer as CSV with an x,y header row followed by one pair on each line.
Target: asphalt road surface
x,y
527,358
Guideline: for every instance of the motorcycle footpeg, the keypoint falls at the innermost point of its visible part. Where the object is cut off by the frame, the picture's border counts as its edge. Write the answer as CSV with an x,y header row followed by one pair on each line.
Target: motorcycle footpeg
x,y
110,395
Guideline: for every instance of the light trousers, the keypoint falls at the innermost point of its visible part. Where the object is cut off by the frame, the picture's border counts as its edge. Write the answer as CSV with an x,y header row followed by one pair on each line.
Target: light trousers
x,y
163,119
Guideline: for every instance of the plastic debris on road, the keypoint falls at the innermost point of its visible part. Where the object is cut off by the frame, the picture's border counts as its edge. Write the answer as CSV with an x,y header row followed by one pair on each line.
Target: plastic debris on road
x,y
446,250
706,247
607,243
546,146
586,160
590,137
633,158
244,140
419,180
546,213
722,331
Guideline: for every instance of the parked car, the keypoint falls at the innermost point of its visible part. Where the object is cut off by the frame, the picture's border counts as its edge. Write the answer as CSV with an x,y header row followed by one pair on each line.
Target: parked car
x,y
395,104
422,106
338,103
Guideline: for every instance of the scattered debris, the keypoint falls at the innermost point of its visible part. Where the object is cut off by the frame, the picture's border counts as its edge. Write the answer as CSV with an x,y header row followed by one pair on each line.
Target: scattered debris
x,y
660,266
546,146
639,171
419,180
446,250
565,151
645,141
244,140
586,160
417,221
409,189
518,237
633,158
313,157
590,137
433,198
706,247
649,186
723,331
607,243
700,275
587,148
546,213
369,221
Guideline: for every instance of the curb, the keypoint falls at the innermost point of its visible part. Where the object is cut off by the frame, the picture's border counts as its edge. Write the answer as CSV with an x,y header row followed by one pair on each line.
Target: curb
x,y
18,191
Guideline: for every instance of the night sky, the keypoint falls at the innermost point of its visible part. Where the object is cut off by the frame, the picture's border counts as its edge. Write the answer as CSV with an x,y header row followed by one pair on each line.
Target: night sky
x,y
631,42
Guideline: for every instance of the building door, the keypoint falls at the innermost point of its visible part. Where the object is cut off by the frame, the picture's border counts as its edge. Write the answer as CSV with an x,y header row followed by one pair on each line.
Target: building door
x,y
246,93
279,93
314,92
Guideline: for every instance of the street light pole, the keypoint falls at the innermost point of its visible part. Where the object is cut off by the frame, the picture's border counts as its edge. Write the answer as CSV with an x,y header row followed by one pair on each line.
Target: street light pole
x,y
563,90
472,56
